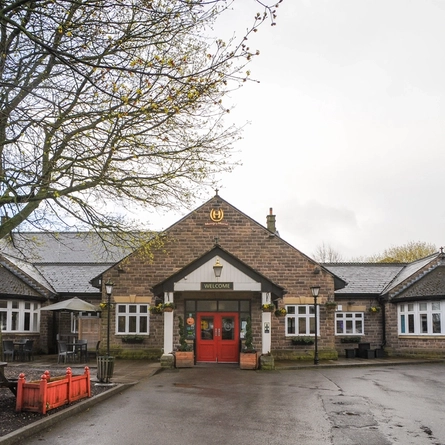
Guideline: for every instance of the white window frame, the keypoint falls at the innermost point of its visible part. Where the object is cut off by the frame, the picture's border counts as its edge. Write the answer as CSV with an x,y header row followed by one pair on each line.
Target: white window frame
x,y
15,314
141,312
414,317
354,318
298,314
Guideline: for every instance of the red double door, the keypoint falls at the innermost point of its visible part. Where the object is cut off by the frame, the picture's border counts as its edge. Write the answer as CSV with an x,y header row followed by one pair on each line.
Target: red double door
x,y
217,337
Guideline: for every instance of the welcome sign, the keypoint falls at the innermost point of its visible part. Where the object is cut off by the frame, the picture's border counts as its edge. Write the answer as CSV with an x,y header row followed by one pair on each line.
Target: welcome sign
x,y
217,286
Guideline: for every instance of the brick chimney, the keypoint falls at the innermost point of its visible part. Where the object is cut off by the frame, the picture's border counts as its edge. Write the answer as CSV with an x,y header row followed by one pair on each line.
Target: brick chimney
x,y
271,222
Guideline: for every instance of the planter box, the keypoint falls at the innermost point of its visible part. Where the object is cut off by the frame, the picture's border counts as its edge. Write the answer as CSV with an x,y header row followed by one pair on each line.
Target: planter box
x,y
248,360
350,353
50,393
132,340
184,359
379,353
366,353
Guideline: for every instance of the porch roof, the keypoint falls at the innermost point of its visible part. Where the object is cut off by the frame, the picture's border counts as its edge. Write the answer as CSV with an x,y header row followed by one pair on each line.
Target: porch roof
x,y
266,285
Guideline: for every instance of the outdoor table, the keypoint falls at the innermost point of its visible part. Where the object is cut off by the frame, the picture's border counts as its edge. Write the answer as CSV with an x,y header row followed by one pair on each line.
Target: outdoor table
x,y
19,346
4,382
80,350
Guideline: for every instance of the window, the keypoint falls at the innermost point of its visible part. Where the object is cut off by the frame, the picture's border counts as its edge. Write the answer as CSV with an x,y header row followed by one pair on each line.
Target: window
x,y
300,320
19,316
349,323
422,318
132,319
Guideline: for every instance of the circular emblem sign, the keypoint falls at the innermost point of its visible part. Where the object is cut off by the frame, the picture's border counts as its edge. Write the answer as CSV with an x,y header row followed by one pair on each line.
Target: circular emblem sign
x,y
216,215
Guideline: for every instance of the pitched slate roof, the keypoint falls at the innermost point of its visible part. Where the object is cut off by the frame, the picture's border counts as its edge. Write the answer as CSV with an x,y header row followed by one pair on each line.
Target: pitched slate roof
x,y
408,271
380,278
364,278
61,262
64,247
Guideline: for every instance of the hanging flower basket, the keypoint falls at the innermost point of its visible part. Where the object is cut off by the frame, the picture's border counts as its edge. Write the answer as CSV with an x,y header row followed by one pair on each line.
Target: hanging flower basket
x,y
331,305
156,309
104,305
168,307
374,309
280,312
268,307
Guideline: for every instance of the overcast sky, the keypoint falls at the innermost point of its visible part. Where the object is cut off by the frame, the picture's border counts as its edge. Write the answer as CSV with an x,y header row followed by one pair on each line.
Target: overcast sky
x,y
346,140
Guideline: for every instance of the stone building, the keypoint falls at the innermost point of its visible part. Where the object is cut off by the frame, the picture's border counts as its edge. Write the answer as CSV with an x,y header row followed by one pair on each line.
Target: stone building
x,y
217,268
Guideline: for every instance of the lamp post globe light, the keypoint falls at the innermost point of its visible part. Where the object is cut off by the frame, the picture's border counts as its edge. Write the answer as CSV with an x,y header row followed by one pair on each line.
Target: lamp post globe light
x,y
105,364
109,290
315,291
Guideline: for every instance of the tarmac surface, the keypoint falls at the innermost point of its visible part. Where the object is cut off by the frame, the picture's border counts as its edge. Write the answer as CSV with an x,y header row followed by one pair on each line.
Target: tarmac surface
x,y
130,372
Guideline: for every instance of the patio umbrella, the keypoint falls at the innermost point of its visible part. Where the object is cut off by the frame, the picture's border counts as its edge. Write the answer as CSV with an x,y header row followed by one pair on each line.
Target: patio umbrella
x,y
73,304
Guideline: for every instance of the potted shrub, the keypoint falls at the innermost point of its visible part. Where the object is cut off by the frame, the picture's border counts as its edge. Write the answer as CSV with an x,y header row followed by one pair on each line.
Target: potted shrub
x,y
184,356
248,355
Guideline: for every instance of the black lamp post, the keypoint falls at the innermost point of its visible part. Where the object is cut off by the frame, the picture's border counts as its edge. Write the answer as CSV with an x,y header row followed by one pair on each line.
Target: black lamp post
x,y
315,290
109,290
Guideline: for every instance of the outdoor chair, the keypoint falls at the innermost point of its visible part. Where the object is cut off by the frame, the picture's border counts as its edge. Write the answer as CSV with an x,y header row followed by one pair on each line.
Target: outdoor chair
x,y
27,350
8,349
94,353
64,353
83,351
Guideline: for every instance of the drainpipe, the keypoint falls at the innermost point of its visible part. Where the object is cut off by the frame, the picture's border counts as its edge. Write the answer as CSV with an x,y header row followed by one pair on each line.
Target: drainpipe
x,y
383,306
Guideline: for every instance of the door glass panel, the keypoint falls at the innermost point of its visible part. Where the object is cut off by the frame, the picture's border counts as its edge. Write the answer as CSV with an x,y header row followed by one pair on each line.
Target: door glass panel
x,y
228,328
228,306
244,306
207,305
190,306
206,328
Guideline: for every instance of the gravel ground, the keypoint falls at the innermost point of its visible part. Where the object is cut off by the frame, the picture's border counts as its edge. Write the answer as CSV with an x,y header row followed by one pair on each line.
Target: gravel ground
x,y
10,420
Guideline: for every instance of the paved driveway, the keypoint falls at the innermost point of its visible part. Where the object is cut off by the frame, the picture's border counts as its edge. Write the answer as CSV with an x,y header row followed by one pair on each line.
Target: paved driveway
x,y
225,405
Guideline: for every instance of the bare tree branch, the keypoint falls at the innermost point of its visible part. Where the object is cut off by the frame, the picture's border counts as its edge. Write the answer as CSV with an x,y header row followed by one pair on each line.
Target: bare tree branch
x,y
107,104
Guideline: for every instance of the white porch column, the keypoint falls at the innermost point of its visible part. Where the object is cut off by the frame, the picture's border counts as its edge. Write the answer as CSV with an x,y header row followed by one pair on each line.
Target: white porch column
x,y
168,325
266,325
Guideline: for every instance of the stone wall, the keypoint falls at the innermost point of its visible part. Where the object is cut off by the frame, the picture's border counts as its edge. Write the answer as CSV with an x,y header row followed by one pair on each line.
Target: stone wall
x,y
244,238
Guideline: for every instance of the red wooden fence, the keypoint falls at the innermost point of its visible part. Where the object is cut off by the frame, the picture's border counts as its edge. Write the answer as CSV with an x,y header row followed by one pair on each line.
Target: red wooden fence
x,y
51,393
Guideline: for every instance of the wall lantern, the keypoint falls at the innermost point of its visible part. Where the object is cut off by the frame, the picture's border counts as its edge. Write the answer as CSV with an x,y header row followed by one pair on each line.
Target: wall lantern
x,y
217,268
